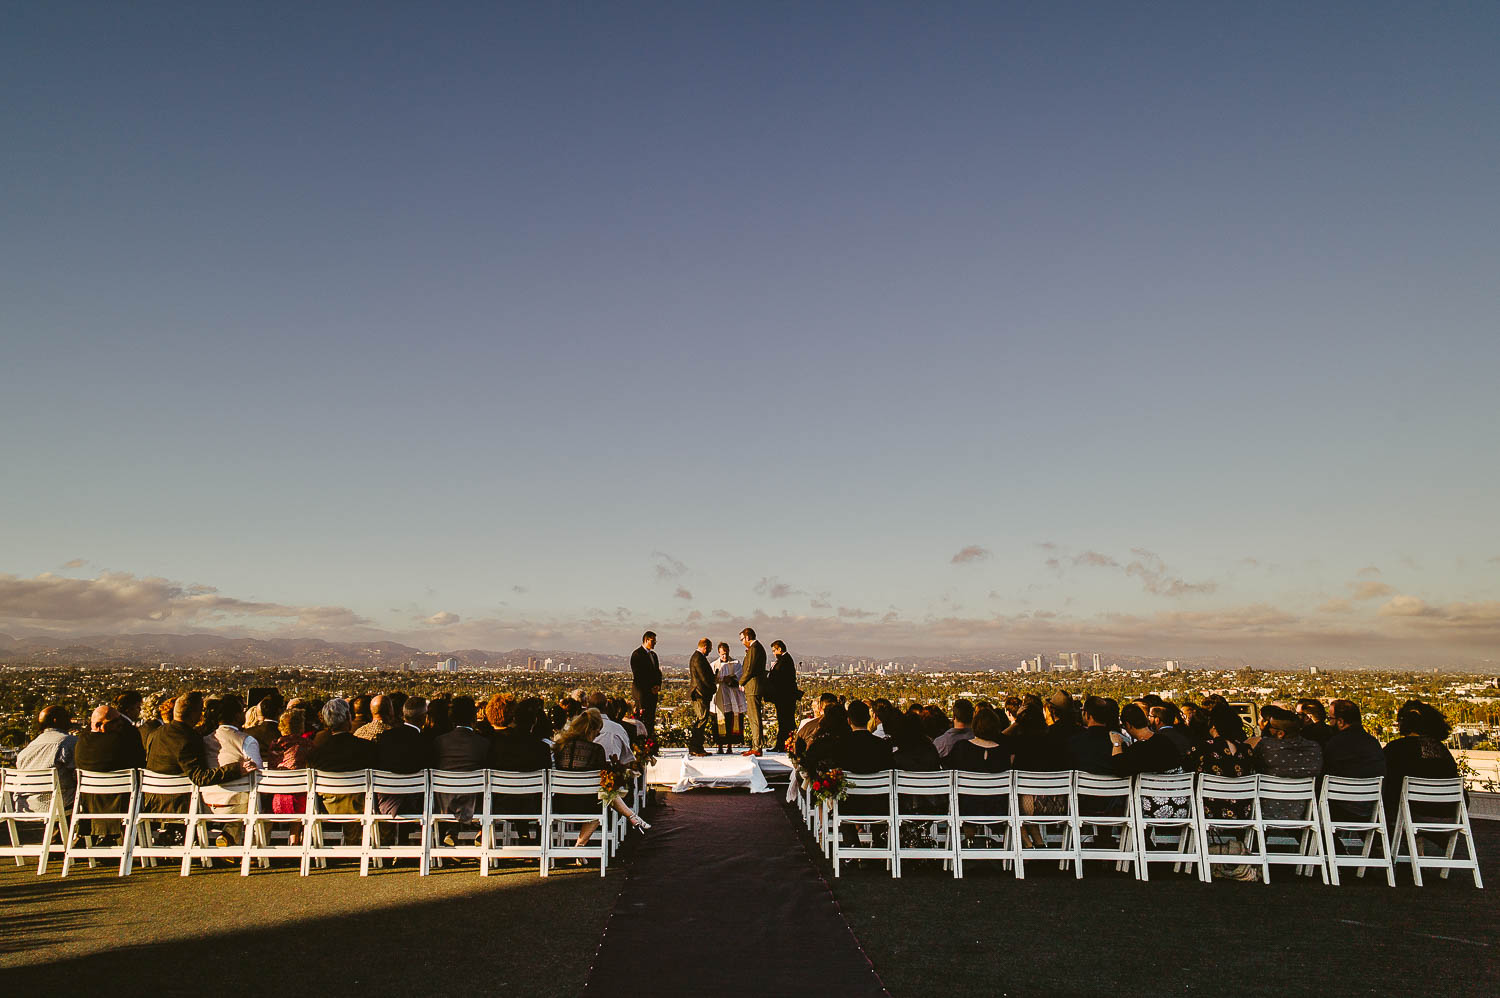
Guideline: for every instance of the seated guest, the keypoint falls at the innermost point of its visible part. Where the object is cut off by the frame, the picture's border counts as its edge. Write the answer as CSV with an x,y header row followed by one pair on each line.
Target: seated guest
x,y
1166,719
1012,710
1061,713
911,749
383,719
577,749
805,731
985,750
884,718
228,745
1030,746
1314,721
462,750
177,749
1223,753
827,749
290,751
1090,749
1418,752
863,751
935,723
1351,750
963,718
362,715
156,710
402,749
439,717
341,752
613,736
52,748
515,746
1148,753
110,745
1285,753
267,729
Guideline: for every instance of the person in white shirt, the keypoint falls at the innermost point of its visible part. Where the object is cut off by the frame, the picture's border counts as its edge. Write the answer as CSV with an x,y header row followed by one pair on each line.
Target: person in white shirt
x,y
227,744
52,748
613,736
729,702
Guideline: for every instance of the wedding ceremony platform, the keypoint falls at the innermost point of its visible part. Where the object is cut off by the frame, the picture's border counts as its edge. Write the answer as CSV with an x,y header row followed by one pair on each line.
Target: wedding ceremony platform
x,y
680,772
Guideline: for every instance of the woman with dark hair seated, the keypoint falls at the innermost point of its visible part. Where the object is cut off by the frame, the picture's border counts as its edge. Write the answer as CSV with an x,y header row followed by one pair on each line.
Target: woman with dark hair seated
x,y
987,751
1418,752
514,744
911,749
1222,752
826,748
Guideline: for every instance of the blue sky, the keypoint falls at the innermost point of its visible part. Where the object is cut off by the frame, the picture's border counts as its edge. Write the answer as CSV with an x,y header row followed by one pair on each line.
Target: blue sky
x,y
508,327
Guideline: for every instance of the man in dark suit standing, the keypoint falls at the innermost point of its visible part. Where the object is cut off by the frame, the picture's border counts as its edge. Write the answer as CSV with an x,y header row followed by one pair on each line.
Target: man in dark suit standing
x,y
645,677
782,680
753,682
703,684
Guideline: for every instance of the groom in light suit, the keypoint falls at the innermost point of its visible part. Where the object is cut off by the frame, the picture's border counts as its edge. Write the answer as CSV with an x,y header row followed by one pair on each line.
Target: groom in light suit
x,y
752,681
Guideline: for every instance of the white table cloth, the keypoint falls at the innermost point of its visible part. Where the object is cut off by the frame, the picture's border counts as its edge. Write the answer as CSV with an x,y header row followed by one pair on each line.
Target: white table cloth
x,y
684,772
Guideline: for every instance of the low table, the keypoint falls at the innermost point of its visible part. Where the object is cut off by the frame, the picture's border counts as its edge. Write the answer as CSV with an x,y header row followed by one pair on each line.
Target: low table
x,y
680,771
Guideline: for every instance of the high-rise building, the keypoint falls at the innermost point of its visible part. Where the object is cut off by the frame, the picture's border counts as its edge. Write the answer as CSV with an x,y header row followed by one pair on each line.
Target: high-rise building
x,y
1097,664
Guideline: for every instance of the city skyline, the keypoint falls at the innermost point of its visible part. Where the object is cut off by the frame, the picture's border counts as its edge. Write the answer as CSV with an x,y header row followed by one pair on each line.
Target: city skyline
x,y
879,328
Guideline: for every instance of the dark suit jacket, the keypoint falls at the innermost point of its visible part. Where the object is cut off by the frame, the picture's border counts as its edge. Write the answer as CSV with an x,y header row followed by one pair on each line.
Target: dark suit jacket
x,y
402,750
120,748
266,733
864,752
701,678
461,749
645,670
177,750
782,679
519,751
341,752
753,672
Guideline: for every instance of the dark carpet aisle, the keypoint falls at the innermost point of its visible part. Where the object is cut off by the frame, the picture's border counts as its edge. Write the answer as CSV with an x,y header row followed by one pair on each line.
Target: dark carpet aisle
x,y
722,900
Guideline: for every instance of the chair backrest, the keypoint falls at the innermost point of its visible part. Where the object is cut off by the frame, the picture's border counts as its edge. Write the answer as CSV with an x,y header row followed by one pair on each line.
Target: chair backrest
x,y
383,781
117,782
243,785
165,784
1423,790
983,784
1165,784
283,781
30,781
452,781
505,781
573,781
353,782
1352,788
1095,785
1226,787
1288,788
940,782
1044,784
868,784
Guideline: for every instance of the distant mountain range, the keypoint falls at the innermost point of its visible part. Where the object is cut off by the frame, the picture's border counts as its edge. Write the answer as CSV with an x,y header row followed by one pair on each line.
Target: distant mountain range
x,y
213,650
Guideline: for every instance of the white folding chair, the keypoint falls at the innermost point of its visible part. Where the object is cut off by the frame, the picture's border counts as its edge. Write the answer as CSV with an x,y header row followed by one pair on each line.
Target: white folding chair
x,y
320,820
26,782
268,826
235,841
406,786
565,818
1164,838
1055,831
1424,794
517,807
987,828
1236,795
1290,833
1353,814
142,840
875,808
80,839
925,824
469,783
1104,809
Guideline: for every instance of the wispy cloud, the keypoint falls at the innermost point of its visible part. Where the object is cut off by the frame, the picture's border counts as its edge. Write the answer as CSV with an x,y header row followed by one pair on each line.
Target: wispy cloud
x,y
773,588
970,554
1368,572
667,568
73,563
1370,590
441,619
682,593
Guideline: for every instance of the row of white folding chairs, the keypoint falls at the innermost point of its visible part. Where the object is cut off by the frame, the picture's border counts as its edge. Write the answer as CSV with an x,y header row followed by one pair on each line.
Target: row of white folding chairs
x,y
260,834
1187,819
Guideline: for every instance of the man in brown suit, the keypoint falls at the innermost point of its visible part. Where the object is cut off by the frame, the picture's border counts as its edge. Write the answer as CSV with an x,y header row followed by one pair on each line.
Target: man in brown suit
x,y
752,680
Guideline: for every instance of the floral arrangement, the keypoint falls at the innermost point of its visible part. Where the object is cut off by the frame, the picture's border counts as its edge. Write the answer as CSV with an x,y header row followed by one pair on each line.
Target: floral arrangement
x,y
827,786
646,752
614,781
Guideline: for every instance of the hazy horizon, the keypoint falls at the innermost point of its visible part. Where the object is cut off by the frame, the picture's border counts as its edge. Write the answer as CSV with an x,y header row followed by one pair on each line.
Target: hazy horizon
x,y
1167,331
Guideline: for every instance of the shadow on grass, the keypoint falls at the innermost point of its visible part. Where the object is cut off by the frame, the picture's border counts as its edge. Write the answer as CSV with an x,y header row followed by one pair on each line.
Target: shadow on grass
x,y
1109,934
154,933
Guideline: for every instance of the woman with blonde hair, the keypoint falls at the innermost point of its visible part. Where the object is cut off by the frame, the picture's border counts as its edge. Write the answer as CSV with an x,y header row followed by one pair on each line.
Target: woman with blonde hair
x,y
576,749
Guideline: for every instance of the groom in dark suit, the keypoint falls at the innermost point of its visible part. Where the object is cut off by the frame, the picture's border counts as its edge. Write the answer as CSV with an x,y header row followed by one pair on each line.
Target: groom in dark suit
x,y
645,677
702,685
784,694
752,681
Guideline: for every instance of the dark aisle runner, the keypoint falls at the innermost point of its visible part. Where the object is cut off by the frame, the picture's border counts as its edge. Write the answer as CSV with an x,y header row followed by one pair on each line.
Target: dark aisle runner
x,y
723,900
